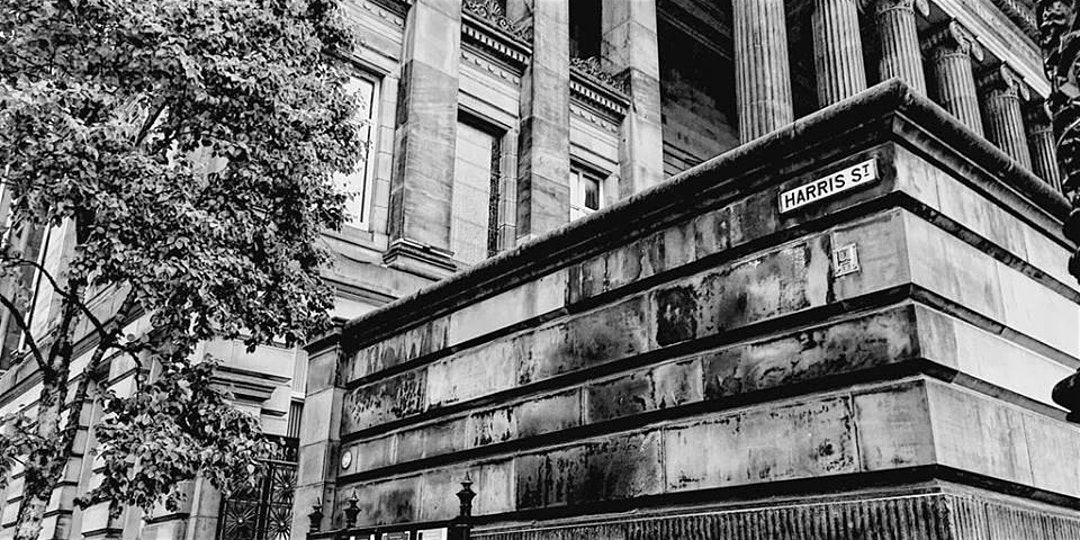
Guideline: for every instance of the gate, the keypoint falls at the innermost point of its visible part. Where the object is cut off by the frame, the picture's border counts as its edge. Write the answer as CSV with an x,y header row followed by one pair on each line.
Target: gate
x,y
263,512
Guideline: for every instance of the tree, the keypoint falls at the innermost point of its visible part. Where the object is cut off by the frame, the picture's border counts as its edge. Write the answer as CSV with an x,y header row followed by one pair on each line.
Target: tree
x,y
185,152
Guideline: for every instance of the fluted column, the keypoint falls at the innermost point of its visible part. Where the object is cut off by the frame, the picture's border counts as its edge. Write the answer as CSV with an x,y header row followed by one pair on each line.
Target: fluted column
x,y
1040,137
951,49
838,51
900,56
762,75
1002,91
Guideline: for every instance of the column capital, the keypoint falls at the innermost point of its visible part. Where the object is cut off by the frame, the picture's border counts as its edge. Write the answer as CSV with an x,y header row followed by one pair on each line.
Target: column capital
x,y
953,38
1002,78
922,7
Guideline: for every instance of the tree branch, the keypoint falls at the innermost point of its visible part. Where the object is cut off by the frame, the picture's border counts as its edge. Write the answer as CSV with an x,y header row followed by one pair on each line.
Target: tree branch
x,y
19,320
98,325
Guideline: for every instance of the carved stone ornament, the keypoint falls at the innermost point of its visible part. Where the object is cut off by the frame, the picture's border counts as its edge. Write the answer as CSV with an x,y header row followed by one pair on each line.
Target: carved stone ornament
x,y
953,38
590,67
492,11
880,6
1059,39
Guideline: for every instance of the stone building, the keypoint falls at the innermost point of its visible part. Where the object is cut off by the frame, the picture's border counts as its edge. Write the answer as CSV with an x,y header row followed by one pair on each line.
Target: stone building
x,y
761,346
846,324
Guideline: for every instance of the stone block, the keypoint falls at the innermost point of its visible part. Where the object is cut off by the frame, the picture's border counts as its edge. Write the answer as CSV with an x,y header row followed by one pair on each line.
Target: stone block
x,y
446,437
494,487
548,414
817,434
608,333
551,478
381,503
409,445
1038,311
370,455
879,241
894,427
397,349
676,309
615,398
711,233
1053,447
677,383
383,401
622,467
491,427
473,372
977,434
873,340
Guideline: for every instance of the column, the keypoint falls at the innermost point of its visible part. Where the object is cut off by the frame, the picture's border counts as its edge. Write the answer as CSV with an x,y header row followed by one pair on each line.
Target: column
x,y
900,56
762,74
951,49
1041,143
1002,90
544,138
838,51
630,46
423,174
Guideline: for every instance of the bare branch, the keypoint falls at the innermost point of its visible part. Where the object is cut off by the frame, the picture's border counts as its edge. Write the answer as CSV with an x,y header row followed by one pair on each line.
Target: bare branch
x,y
94,320
19,320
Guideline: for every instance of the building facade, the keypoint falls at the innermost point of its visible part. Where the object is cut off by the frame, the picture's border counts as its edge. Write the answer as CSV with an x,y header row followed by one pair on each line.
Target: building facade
x,y
492,124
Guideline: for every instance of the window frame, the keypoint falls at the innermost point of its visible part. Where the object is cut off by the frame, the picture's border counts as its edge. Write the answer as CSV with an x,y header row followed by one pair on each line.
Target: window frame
x,y
363,222
577,170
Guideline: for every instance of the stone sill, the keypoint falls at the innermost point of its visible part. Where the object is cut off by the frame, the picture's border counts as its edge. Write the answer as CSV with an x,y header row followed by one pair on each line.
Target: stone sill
x,y
887,112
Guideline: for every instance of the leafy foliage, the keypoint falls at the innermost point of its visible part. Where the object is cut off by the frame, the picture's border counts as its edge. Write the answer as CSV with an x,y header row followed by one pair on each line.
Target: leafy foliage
x,y
191,146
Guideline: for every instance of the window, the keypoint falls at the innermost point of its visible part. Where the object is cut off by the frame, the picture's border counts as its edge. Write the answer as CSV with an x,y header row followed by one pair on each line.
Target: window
x,y
585,28
475,196
358,183
586,191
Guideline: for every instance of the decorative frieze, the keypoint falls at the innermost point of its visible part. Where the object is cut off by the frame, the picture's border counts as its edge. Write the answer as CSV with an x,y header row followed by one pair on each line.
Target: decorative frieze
x,y
1021,14
491,12
590,68
504,47
496,69
600,97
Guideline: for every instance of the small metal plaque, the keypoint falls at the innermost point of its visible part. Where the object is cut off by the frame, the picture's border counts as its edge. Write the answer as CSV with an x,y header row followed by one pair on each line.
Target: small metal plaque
x,y
432,534
845,260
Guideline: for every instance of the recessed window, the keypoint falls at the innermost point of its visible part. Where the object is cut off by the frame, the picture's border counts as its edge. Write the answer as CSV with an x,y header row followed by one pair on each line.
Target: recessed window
x,y
586,192
475,196
358,184
585,28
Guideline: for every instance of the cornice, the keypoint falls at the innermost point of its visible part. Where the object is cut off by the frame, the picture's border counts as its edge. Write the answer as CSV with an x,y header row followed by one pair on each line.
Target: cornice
x,y
602,91
486,37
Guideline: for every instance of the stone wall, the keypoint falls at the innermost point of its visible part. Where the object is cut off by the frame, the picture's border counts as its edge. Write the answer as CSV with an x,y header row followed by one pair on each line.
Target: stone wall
x,y
694,348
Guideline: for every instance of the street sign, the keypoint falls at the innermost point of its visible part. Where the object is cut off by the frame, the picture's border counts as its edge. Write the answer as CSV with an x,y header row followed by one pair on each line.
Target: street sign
x,y
828,186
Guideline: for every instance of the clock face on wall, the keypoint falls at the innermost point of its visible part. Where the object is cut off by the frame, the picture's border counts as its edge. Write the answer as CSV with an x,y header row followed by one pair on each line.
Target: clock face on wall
x,y
346,459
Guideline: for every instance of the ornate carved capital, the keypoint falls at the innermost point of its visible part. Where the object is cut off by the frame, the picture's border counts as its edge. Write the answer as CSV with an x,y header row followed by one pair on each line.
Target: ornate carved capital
x,y
953,38
1003,78
492,12
882,6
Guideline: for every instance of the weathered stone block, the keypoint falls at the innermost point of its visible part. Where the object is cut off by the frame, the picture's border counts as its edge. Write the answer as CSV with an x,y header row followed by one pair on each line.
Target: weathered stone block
x,y
393,501
551,478
491,427
409,345
677,383
372,454
873,340
894,427
615,398
817,435
473,372
548,414
390,399
879,241
622,467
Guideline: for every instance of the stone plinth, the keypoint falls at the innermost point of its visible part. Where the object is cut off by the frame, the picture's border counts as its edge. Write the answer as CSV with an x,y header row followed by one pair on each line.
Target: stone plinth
x,y
647,360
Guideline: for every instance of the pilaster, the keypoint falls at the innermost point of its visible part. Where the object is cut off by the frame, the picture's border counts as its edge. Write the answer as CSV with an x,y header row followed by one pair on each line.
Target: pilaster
x,y
320,436
630,45
838,50
1003,91
544,139
424,137
762,74
898,33
1041,144
951,49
